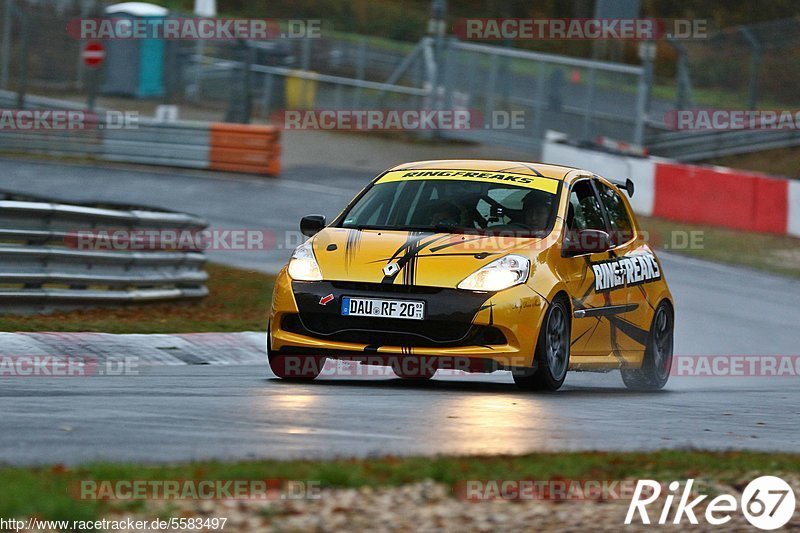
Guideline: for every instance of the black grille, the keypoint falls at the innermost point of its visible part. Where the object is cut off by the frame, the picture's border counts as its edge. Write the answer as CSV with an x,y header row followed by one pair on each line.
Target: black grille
x,y
392,332
386,288
448,314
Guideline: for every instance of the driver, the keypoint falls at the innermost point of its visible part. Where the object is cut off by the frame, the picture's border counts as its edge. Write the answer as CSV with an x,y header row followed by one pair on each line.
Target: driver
x,y
445,212
536,209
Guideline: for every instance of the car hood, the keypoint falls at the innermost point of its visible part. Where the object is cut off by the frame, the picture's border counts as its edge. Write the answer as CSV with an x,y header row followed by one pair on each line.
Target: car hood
x,y
426,259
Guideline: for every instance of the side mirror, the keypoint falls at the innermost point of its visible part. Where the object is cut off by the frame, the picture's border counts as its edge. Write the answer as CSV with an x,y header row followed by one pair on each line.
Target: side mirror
x,y
310,225
586,241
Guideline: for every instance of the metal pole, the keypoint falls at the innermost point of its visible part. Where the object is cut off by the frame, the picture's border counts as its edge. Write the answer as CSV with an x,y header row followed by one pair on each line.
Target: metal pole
x,y
587,116
490,103
683,80
538,104
306,57
93,79
194,92
755,65
452,62
647,52
23,61
266,97
247,81
641,112
6,57
436,28
361,68
81,68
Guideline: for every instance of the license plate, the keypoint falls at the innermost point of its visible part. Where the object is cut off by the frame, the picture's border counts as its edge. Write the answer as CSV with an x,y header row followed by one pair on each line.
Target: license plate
x,y
377,307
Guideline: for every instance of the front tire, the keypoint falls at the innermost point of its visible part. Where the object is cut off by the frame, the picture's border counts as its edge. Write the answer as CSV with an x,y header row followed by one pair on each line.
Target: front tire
x,y
552,351
655,369
294,367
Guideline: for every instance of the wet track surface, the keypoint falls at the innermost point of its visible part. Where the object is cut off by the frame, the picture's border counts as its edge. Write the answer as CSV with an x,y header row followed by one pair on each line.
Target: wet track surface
x,y
196,412
191,412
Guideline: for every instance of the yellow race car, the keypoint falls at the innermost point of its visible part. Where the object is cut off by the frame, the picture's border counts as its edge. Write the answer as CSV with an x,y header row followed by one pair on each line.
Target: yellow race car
x,y
477,266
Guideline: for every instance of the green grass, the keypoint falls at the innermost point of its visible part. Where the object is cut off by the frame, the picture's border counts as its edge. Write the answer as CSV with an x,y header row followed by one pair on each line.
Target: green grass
x,y
778,161
778,254
43,492
239,300
374,42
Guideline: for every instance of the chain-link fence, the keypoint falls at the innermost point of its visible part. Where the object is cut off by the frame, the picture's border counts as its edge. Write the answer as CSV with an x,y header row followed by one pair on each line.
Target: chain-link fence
x,y
753,66
756,66
35,49
581,98
285,74
517,94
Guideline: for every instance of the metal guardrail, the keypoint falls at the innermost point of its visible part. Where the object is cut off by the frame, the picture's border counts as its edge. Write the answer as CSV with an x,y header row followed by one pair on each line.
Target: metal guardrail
x,y
696,146
179,144
42,268
185,144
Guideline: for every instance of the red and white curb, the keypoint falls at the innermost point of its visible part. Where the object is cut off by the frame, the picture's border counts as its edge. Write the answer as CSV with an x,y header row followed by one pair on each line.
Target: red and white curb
x,y
698,194
244,348
21,352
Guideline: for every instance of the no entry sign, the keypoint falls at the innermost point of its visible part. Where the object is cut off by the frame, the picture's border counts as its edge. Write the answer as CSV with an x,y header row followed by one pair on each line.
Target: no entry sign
x,y
93,54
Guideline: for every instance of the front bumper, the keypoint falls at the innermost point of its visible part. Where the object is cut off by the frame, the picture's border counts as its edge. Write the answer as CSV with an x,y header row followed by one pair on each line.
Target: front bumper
x,y
501,327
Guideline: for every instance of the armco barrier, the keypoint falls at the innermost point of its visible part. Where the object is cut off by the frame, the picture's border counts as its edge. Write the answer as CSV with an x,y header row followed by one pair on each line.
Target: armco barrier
x,y
252,149
176,144
228,147
43,267
696,194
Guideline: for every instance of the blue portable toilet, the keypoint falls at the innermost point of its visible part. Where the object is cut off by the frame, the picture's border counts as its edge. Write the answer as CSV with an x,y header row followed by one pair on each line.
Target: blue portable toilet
x,y
135,67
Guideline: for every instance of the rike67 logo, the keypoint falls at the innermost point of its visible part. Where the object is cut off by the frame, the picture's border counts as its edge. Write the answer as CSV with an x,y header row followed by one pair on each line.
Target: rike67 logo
x,y
767,502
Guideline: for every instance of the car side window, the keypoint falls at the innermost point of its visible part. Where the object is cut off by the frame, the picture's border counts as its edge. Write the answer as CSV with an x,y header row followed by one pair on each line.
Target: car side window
x,y
584,210
619,218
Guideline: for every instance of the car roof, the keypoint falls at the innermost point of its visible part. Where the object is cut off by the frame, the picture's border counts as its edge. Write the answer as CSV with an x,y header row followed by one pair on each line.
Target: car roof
x,y
557,172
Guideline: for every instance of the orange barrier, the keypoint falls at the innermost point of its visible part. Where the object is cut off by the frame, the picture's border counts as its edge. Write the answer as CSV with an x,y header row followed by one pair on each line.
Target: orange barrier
x,y
244,148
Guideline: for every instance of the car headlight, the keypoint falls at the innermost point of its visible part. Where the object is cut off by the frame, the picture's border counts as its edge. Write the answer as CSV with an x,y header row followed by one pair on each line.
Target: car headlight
x,y
498,275
303,265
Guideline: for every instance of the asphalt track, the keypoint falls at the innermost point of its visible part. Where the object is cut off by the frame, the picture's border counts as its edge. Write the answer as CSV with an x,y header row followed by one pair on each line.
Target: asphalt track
x,y
203,411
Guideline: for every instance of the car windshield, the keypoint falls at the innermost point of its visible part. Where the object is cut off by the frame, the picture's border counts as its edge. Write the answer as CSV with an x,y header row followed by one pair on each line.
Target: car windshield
x,y
454,206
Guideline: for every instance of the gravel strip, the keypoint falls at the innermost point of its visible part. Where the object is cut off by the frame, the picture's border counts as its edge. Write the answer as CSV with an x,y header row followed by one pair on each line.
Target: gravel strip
x,y
429,506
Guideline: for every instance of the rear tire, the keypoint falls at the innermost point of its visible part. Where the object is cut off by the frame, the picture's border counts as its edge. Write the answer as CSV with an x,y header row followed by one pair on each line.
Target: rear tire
x,y
294,367
655,369
552,351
